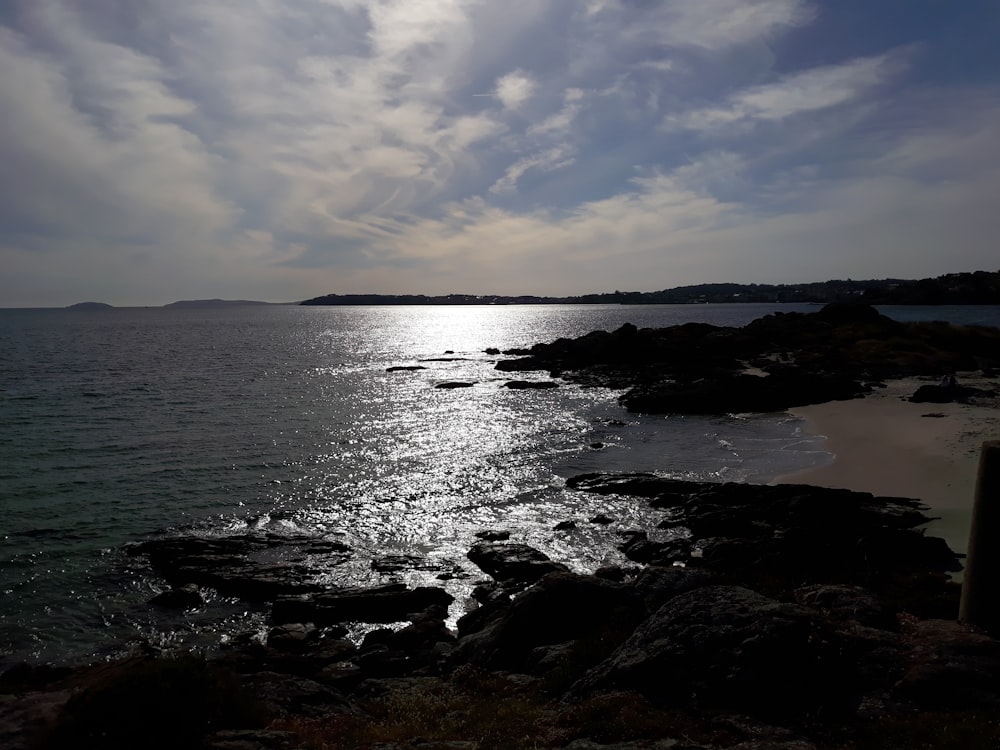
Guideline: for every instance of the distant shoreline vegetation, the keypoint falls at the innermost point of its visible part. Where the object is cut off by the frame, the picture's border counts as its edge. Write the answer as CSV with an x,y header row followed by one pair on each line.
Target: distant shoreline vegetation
x,y
977,288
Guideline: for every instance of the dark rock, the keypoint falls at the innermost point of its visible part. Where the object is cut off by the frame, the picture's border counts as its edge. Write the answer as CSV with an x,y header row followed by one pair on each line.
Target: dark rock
x,y
388,603
241,566
491,535
560,608
252,739
792,535
454,384
181,597
949,666
492,351
565,526
741,393
524,385
292,637
602,519
658,585
943,394
838,352
288,695
841,602
405,368
399,563
730,647
512,562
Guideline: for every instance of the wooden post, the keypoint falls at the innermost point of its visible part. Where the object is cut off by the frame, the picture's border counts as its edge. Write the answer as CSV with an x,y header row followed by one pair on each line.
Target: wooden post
x,y
980,605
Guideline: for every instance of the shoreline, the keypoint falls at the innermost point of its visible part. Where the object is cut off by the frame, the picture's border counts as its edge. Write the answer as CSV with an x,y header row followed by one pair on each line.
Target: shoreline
x,y
890,446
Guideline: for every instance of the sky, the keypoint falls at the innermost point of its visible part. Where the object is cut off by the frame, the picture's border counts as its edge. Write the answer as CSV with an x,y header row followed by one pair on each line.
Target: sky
x,y
156,150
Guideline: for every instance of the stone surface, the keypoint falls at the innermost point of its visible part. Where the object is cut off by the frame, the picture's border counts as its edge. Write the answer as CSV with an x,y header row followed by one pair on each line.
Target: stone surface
x,y
512,562
726,646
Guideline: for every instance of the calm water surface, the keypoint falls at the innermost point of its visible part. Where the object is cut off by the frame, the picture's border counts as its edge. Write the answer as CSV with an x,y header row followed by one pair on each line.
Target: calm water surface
x,y
122,424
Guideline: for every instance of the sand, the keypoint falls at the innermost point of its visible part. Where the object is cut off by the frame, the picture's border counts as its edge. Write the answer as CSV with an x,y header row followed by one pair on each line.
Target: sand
x,y
887,445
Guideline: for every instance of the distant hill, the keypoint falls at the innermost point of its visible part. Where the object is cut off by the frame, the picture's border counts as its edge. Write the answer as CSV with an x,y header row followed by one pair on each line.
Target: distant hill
x,y
978,288
201,303
90,306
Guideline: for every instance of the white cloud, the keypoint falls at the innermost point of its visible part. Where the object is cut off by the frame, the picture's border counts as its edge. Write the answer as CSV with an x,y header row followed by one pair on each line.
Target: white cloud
x,y
514,89
546,161
711,24
804,91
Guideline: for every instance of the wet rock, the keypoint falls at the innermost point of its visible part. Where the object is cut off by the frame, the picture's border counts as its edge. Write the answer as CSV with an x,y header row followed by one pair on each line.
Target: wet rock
x,y
768,535
292,637
181,597
399,563
525,385
942,394
388,603
741,393
241,566
491,535
512,562
730,647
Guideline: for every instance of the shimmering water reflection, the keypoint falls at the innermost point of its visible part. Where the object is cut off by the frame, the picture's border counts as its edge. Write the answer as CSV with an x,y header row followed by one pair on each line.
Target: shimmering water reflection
x,y
128,423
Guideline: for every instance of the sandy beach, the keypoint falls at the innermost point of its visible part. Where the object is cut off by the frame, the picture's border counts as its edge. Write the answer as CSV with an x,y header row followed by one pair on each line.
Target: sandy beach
x,y
887,445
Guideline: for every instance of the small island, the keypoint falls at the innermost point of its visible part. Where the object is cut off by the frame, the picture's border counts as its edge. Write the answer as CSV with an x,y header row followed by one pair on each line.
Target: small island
x,y
90,306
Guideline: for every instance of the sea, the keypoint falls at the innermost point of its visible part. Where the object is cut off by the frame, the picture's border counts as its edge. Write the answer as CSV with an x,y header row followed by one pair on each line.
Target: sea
x,y
127,424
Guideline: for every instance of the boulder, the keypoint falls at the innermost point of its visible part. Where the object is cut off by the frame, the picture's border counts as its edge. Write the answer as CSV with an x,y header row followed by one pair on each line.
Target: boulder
x,y
513,562
525,385
727,646
181,597
562,607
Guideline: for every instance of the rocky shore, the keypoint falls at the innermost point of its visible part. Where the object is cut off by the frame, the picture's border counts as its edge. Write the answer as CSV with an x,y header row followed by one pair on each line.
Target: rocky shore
x,y
780,616
785,617
774,363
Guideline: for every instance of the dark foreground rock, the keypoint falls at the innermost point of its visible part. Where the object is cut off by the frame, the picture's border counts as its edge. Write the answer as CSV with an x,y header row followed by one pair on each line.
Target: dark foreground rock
x,y
729,646
773,363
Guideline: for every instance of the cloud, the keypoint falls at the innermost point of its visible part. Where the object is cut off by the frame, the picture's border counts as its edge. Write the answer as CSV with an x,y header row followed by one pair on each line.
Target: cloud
x,y
514,89
553,158
802,92
178,149
710,24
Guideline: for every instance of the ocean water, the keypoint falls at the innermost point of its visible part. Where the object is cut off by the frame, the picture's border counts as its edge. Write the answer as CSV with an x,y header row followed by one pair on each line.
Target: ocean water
x,y
126,424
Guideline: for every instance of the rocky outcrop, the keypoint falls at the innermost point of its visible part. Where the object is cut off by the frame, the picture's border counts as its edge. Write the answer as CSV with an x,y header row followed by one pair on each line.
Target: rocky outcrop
x,y
727,646
773,363
507,561
240,566
561,608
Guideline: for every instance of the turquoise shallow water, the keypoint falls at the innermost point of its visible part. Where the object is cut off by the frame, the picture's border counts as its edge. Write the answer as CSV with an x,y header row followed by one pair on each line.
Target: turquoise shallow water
x,y
126,423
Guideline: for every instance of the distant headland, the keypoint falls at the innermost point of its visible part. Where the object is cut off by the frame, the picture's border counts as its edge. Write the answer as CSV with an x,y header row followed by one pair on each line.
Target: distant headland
x,y
973,288
977,288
